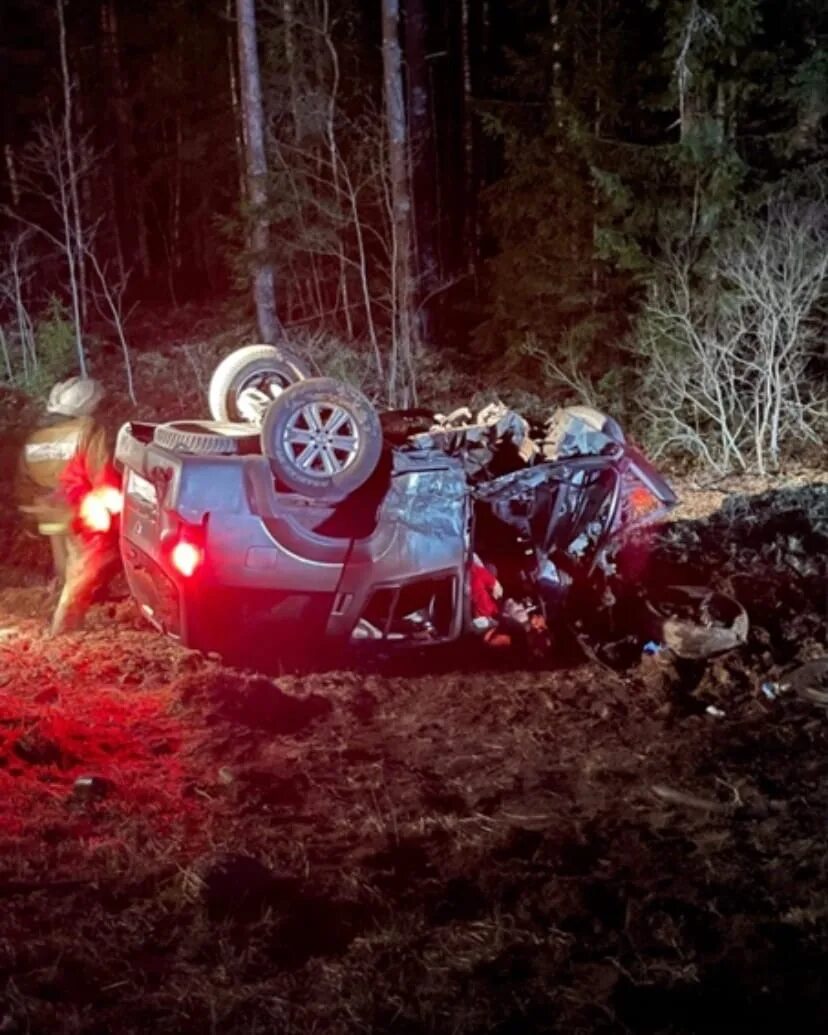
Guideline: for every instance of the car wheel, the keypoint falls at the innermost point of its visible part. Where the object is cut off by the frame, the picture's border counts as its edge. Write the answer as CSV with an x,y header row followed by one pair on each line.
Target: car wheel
x,y
247,381
204,438
323,438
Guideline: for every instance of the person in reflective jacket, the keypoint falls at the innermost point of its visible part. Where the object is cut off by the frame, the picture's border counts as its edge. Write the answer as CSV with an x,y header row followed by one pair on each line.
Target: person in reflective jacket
x,y
63,460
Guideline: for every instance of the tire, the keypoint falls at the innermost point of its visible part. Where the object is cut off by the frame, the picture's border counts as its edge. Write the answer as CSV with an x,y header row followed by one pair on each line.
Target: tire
x,y
323,439
260,371
205,439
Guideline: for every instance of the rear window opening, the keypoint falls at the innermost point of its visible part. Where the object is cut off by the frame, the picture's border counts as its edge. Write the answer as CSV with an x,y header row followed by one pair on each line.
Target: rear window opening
x,y
417,612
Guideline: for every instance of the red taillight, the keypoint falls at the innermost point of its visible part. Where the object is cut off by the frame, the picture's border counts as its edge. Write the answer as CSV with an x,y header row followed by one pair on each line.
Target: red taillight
x,y
185,558
641,502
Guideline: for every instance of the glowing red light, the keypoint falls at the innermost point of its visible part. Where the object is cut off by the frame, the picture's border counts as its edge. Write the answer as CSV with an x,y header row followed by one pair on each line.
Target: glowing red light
x,y
94,513
98,506
642,501
185,558
111,498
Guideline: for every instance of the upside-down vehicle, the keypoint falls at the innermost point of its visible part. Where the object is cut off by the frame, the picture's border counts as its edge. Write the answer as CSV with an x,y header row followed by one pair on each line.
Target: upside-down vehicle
x,y
300,516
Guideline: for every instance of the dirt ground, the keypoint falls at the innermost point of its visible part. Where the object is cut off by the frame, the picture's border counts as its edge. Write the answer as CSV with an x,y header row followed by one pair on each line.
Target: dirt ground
x,y
593,848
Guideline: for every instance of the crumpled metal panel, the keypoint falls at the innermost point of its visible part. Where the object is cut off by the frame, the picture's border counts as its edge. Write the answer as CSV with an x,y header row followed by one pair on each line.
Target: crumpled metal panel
x,y
579,431
696,622
430,502
521,484
475,444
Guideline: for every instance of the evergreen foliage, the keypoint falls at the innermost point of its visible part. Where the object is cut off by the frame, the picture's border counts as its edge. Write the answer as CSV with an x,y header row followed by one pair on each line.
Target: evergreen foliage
x,y
619,148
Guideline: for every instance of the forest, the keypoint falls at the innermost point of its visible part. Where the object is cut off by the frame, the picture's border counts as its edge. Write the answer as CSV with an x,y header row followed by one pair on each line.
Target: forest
x,y
613,202
622,203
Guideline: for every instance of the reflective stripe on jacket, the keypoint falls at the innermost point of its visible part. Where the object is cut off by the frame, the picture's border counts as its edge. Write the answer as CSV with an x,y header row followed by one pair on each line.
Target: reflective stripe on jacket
x,y
48,451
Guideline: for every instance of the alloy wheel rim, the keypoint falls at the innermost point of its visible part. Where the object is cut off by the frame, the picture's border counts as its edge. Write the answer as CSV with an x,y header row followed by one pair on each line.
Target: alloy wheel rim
x,y
257,393
322,439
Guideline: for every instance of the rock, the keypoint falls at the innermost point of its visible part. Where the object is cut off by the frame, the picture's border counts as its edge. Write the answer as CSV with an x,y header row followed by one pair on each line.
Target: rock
x,y
92,788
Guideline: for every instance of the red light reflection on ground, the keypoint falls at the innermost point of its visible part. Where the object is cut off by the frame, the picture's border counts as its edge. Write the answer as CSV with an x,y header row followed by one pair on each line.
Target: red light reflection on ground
x,y
58,723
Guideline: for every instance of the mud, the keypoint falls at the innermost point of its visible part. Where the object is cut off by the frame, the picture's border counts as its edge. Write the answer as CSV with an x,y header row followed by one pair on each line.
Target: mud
x,y
625,843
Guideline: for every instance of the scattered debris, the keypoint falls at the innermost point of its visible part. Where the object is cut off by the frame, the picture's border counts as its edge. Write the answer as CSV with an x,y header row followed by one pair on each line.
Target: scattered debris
x,y
697,622
810,682
691,801
92,788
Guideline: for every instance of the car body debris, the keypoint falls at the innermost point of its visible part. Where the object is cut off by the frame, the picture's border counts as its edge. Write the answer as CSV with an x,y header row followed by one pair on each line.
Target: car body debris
x,y
324,524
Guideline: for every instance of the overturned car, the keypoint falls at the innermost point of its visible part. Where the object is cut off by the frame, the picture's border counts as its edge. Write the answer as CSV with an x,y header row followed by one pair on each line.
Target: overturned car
x,y
298,518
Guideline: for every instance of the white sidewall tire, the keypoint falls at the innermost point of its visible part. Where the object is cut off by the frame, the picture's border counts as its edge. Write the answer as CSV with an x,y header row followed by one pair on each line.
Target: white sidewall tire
x,y
243,364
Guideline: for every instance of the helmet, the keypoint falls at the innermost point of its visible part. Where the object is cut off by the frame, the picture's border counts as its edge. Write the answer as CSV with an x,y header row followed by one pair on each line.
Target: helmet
x,y
77,397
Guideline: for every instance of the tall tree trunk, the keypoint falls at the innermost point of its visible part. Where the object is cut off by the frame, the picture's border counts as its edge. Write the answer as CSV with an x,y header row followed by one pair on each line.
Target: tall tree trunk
x,y
556,91
333,154
74,230
239,128
597,121
469,186
264,294
401,372
289,18
121,170
698,24
175,258
423,166
11,169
